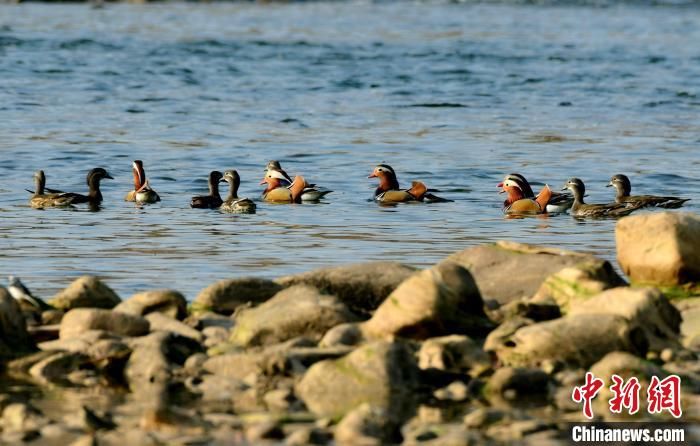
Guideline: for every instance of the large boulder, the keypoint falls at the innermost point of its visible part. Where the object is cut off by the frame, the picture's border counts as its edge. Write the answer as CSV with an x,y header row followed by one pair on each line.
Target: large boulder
x,y
86,291
576,340
362,287
225,296
576,283
507,271
646,308
295,311
169,302
659,248
383,374
14,338
437,301
80,320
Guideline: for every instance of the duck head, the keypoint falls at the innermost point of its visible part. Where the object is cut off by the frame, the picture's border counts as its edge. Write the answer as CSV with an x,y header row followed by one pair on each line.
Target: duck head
x,y
522,182
387,178
274,165
234,180
622,185
576,187
273,179
513,186
97,174
214,178
139,174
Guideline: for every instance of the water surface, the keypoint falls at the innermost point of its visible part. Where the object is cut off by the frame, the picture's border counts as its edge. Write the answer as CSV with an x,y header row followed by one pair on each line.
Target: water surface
x,y
455,95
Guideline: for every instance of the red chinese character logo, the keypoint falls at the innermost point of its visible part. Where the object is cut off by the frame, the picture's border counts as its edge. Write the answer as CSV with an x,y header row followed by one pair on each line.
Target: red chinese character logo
x,y
587,392
665,395
626,395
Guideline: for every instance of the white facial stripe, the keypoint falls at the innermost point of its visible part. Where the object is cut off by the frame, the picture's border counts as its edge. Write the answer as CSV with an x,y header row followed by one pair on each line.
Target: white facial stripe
x,y
275,174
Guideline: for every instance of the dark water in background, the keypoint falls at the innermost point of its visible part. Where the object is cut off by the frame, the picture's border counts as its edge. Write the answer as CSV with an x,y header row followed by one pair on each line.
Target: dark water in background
x,y
456,95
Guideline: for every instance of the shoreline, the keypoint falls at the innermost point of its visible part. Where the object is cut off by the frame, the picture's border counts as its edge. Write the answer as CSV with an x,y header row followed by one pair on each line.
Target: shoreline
x,y
485,346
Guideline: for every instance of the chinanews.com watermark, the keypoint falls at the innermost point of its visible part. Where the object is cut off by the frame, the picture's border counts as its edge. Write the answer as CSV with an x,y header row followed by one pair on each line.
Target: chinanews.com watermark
x,y
663,397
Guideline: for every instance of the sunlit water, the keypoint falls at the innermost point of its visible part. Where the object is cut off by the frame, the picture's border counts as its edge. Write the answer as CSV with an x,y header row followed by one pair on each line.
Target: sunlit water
x,y
456,95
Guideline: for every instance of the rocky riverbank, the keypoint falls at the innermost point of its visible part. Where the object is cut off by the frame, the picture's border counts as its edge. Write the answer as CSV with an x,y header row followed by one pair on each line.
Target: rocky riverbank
x,y
483,348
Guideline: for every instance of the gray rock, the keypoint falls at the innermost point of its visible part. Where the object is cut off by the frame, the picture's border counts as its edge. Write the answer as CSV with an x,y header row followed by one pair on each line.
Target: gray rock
x,y
576,340
362,287
307,435
659,248
215,335
20,417
690,327
79,320
86,291
56,368
366,426
525,266
455,353
169,302
518,383
343,334
14,338
225,296
295,311
382,374
162,322
646,308
456,391
577,283
154,358
437,301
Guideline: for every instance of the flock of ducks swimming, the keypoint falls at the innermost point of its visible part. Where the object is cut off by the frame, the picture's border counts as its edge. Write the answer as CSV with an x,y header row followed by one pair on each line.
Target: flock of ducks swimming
x,y
281,188
522,200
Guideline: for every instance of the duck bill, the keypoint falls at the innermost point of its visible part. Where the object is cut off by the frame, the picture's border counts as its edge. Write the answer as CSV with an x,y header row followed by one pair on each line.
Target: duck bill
x,y
564,188
107,175
502,191
372,175
263,181
609,184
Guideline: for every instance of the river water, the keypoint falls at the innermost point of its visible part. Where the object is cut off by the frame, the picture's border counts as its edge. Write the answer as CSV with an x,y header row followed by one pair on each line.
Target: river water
x,y
456,95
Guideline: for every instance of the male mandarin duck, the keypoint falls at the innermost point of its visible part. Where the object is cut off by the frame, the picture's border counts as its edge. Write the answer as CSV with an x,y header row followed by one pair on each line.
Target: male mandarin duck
x,y
623,188
389,191
142,193
521,199
582,209
299,190
213,200
275,165
232,203
310,192
558,202
40,199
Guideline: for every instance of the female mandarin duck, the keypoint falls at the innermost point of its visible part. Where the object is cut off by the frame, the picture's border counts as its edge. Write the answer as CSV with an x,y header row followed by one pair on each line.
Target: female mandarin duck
x,y
213,200
389,190
521,199
94,196
582,209
623,187
142,192
233,203
558,202
41,199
